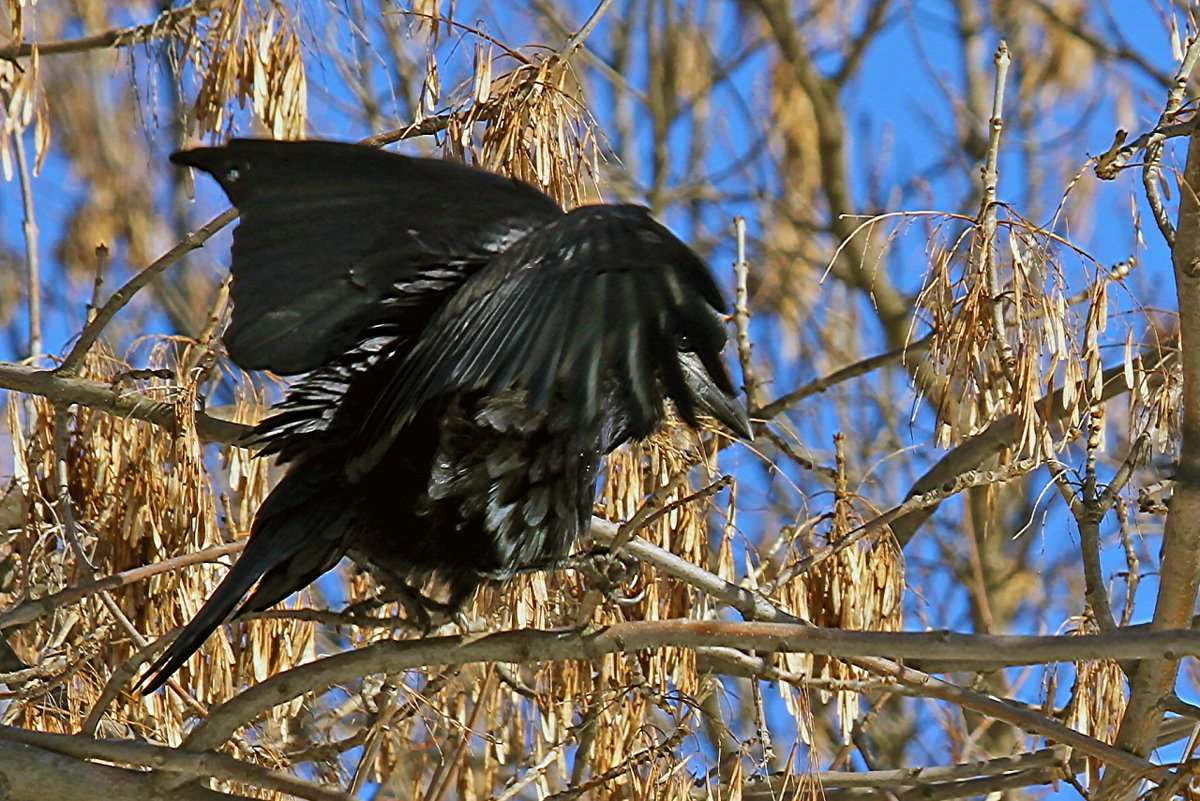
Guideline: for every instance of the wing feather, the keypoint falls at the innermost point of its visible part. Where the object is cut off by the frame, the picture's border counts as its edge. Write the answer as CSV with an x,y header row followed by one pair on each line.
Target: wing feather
x,y
554,331
335,238
586,310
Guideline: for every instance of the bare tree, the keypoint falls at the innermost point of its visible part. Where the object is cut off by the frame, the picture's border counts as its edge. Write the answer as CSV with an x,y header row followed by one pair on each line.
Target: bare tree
x,y
960,557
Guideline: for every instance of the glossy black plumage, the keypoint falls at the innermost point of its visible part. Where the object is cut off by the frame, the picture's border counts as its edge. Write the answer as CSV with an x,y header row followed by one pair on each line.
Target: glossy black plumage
x,y
472,352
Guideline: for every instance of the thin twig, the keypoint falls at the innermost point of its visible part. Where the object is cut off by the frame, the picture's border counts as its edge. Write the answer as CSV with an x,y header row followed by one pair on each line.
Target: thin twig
x,y
659,751
1117,273
423,127
452,765
163,25
988,221
1133,567
92,331
29,226
119,679
707,491
98,281
972,478
202,353
760,724
329,618
1154,150
534,772
825,472
581,35
40,607
62,487
375,736
648,508
1110,163
1137,454
846,373
1066,21
858,45
474,30
741,315
122,619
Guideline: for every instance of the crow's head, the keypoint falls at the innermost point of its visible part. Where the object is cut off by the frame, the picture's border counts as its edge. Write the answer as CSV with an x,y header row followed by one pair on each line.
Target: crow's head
x,y
696,378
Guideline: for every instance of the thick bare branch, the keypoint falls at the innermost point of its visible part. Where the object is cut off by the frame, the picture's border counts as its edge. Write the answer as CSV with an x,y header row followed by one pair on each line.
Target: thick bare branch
x,y
1179,577
210,765
28,773
531,645
1058,757
61,388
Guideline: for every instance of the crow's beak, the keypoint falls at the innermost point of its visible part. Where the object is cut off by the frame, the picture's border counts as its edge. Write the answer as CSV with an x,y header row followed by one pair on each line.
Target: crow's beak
x,y
727,409
713,401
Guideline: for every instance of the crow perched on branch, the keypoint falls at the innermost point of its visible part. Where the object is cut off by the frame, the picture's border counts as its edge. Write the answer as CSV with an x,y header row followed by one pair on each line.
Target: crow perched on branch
x,y
471,351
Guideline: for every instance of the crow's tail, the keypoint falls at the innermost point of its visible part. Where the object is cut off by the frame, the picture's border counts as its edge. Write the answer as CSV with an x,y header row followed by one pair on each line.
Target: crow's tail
x,y
297,536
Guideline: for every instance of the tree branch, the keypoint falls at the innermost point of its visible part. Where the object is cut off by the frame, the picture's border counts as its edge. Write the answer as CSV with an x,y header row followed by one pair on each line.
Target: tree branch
x,y
163,25
30,611
1179,576
118,300
28,773
1150,170
208,765
60,388
817,386
1002,434
531,645
754,606
1057,757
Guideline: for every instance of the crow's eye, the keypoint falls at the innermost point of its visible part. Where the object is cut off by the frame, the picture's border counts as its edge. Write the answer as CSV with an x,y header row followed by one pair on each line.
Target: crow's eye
x,y
234,171
684,342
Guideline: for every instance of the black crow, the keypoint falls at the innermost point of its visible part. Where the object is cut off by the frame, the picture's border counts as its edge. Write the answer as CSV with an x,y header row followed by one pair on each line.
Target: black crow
x,y
471,352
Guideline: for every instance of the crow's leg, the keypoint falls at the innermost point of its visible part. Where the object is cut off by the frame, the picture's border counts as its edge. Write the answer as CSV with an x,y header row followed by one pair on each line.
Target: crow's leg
x,y
423,613
613,575
606,570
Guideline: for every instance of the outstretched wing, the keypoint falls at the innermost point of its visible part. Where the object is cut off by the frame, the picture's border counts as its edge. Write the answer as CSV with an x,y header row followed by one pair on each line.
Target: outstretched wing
x,y
335,238
592,309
